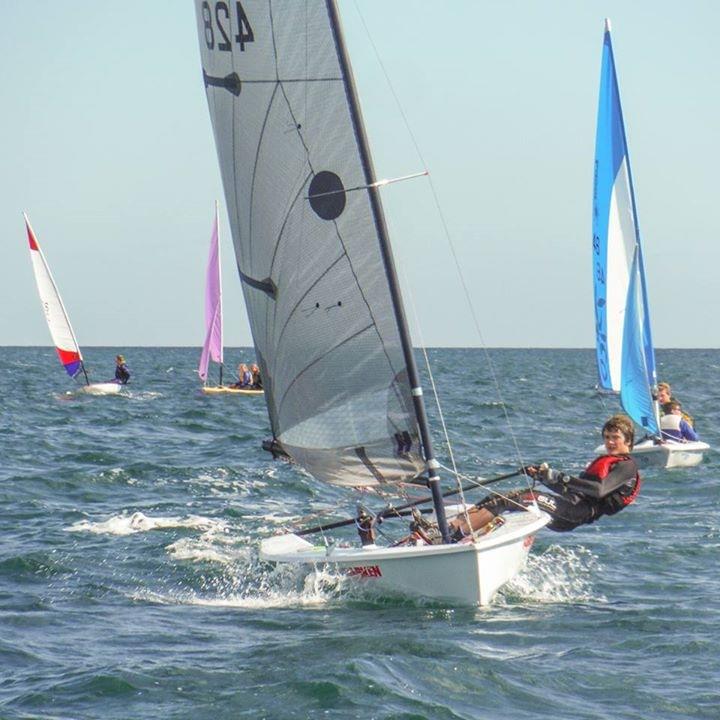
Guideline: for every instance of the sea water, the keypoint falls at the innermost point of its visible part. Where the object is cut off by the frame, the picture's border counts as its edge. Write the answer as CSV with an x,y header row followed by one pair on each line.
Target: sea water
x,y
130,585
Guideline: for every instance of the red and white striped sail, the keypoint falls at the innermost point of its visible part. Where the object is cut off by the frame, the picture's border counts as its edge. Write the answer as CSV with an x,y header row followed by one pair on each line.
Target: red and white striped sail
x,y
58,322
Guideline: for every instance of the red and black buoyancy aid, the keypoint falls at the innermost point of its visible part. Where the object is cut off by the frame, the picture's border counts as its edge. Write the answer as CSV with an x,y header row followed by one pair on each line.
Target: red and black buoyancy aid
x,y
599,469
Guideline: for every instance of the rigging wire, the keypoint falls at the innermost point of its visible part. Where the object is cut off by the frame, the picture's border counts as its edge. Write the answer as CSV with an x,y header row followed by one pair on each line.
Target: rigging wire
x,y
450,244
436,396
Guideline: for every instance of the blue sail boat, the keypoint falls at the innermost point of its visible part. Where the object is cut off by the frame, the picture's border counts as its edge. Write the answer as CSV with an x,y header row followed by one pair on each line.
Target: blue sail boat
x,y
623,338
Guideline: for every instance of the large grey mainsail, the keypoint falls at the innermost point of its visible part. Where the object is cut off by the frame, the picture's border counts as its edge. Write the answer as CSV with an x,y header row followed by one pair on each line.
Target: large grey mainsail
x,y
307,246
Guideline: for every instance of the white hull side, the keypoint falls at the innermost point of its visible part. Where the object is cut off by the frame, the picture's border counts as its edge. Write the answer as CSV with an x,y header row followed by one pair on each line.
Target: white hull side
x,y
666,455
107,388
464,574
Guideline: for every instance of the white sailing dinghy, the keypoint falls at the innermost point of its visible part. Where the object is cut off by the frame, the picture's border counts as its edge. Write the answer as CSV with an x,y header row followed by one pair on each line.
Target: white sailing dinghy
x,y
58,322
624,347
319,282
213,345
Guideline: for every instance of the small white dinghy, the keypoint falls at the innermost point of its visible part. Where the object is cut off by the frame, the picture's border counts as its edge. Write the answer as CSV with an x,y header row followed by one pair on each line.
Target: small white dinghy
x,y
651,453
106,388
624,346
465,574
58,322
325,307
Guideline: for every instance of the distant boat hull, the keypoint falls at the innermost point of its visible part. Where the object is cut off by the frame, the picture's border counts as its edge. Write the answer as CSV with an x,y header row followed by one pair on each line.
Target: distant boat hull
x,y
108,388
463,574
668,454
227,390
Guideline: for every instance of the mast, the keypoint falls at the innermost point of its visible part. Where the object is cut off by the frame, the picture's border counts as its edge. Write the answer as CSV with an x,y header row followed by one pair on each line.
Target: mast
x,y
391,275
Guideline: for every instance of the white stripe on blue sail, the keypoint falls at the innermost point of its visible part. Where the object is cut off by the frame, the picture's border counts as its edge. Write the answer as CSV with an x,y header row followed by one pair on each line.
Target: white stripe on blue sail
x,y
615,231
635,392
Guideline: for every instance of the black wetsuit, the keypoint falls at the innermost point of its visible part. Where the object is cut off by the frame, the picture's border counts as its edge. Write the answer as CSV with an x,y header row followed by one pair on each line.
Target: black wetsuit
x,y
122,374
606,486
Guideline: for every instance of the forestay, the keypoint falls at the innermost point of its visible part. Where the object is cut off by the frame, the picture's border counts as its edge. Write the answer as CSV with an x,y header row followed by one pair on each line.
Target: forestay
x,y
291,147
58,322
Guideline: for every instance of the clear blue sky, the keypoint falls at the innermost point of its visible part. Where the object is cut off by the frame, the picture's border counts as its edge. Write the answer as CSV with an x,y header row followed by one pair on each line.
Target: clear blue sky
x,y
107,144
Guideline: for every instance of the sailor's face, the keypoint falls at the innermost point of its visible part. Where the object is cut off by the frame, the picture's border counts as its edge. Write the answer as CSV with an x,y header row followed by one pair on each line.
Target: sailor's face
x,y
663,395
615,442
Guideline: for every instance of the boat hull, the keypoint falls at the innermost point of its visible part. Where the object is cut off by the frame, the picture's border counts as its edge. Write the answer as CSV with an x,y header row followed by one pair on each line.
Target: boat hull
x,y
226,390
108,388
463,574
668,454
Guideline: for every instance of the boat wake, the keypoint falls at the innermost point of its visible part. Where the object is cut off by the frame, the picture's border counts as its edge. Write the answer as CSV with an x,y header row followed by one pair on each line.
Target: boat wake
x,y
253,586
138,522
560,575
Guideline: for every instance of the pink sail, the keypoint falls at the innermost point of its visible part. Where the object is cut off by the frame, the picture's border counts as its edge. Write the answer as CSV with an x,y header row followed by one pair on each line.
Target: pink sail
x,y
213,345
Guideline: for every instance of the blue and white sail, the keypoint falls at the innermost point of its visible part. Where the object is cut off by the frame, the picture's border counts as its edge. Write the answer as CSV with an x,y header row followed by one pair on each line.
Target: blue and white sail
x,y
617,252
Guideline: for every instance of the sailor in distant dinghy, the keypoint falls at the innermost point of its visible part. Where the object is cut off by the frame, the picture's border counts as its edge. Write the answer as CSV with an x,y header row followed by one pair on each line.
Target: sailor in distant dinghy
x,y
245,378
664,396
674,426
122,373
607,485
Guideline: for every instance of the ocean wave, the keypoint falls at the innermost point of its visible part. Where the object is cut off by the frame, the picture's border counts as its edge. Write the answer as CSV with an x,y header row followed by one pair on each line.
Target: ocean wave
x,y
139,522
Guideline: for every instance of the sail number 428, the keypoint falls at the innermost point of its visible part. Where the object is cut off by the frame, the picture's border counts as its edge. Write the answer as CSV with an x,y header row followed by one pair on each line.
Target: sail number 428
x,y
218,21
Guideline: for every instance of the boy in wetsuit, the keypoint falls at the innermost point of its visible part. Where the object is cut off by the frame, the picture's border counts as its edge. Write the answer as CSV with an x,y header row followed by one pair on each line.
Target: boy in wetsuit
x,y
607,485
122,374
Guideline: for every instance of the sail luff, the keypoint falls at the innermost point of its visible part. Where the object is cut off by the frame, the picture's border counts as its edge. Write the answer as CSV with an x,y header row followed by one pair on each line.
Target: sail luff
x,y
56,316
391,273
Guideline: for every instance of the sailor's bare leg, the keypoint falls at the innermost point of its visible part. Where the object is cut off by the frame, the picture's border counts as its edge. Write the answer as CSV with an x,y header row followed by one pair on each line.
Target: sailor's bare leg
x,y
479,517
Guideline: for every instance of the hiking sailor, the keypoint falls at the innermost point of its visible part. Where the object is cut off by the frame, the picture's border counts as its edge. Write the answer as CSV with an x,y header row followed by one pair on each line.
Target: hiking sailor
x,y
608,484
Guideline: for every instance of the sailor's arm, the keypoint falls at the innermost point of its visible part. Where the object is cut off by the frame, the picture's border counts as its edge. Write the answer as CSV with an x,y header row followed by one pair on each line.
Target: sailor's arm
x,y
560,482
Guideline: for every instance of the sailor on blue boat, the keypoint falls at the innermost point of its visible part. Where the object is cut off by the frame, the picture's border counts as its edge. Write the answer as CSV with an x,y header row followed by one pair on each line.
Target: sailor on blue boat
x,y
674,426
664,396
608,484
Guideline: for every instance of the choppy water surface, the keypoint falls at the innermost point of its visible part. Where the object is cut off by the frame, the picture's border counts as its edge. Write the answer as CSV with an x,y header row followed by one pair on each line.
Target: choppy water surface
x,y
130,584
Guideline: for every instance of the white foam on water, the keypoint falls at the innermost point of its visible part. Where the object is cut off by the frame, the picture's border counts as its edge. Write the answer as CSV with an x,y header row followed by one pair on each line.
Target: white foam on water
x,y
560,575
142,395
138,522
201,550
215,545
256,588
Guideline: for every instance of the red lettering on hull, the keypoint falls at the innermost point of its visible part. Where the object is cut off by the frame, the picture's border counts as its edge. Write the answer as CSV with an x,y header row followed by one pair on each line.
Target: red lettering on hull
x,y
365,571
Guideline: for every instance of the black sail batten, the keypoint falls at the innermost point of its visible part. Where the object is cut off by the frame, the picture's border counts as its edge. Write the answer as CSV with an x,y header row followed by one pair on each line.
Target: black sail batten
x,y
267,285
391,274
